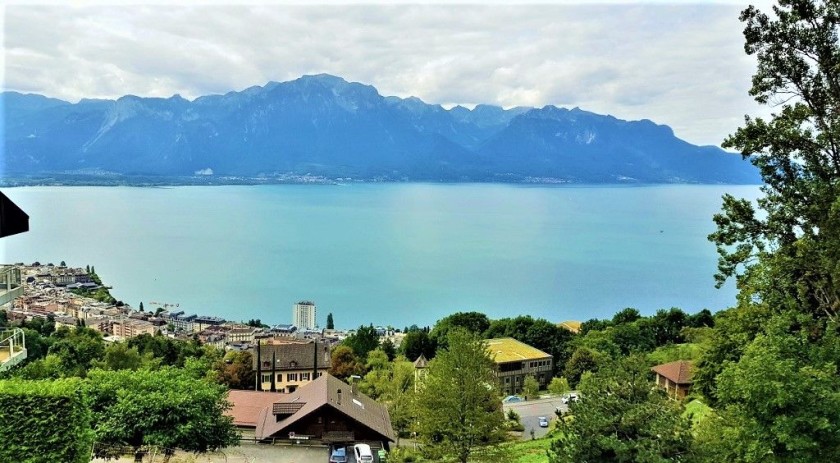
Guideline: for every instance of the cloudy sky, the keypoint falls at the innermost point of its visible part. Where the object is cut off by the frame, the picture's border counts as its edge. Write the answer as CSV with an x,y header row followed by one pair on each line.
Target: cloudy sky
x,y
677,63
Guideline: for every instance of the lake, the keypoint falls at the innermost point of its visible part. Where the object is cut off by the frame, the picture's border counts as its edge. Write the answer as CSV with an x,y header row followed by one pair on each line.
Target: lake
x,y
397,254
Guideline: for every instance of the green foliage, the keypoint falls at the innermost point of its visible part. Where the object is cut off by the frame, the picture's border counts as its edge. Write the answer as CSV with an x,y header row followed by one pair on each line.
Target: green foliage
x,y
167,351
388,347
330,322
77,349
344,362
418,342
782,397
622,418
559,386
119,356
583,359
627,315
165,408
674,352
530,388
44,421
362,341
474,322
235,370
458,404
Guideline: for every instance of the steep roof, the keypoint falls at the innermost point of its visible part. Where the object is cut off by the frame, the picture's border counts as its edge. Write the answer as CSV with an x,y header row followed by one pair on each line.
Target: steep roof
x,y
678,372
294,355
327,391
571,325
510,350
421,362
247,405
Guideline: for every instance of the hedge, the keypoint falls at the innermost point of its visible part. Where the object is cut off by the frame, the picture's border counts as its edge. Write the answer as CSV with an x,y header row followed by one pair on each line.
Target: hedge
x,y
44,421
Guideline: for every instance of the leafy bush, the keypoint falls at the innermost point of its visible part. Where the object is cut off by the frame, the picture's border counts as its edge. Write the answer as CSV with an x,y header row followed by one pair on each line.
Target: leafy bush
x,y
44,421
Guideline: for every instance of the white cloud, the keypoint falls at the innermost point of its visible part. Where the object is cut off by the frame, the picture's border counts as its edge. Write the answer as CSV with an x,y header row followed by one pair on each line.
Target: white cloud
x,y
677,63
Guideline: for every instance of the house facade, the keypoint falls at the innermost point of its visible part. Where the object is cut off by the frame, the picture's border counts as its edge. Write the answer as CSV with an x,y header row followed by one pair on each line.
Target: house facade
x,y
515,361
286,366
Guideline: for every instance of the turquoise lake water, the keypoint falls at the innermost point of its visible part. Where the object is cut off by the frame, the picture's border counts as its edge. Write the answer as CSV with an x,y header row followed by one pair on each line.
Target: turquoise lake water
x,y
397,254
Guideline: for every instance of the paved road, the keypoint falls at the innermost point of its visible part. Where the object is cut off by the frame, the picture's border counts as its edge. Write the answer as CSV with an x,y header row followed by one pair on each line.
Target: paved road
x,y
530,411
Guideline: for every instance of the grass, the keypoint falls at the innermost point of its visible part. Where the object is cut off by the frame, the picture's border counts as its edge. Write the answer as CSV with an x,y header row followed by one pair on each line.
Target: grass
x,y
531,451
674,352
696,411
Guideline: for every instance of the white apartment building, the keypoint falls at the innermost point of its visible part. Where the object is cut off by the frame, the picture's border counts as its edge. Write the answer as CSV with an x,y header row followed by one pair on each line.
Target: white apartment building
x,y
303,315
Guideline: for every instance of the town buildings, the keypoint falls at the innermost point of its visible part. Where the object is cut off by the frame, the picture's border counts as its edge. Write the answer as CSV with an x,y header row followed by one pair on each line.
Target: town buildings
x,y
303,315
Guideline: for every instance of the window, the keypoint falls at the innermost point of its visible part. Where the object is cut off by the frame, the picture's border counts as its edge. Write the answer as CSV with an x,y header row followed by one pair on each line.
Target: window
x,y
304,376
266,377
320,373
280,377
292,377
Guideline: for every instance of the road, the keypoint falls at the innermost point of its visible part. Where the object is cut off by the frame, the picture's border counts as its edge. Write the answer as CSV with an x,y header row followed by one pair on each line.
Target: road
x,y
530,410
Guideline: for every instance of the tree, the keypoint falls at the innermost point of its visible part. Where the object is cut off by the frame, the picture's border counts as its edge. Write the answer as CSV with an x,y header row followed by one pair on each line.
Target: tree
x,y
165,408
344,362
458,403
362,341
530,387
559,386
62,264
119,356
474,322
141,306
330,323
87,269
784,251
417,342
622,418
627,315
235,370
387,346
794,241
582,360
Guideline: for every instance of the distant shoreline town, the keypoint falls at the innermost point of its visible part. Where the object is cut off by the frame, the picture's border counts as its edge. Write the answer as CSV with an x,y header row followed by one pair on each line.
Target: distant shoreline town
x,y
76,297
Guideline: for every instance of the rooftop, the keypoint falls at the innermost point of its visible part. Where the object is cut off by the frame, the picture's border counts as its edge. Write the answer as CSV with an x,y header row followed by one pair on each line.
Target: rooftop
x,y
505,350
678,372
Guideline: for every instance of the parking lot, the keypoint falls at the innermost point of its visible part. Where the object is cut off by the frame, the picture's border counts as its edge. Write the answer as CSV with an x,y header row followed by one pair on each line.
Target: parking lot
x,y
530,411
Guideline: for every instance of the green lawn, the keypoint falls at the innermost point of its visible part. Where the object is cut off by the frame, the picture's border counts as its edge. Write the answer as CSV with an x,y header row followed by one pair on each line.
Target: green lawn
x,y
696,410
532,451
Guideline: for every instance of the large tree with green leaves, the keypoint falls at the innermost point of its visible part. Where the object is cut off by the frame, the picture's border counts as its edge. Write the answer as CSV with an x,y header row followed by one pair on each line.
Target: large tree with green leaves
x,y
771,363
622,418
789,253
458,403
166,408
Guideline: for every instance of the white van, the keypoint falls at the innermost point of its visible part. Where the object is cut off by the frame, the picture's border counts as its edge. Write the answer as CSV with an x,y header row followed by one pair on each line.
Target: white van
x,y
363,453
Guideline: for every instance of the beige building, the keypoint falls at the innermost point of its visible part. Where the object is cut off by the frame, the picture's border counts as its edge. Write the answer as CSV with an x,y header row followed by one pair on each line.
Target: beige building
x,y
284,367
129,328
303,315
515,361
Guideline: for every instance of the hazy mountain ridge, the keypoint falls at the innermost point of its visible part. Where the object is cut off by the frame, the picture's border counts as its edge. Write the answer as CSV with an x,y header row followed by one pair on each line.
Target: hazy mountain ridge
x,y
324,125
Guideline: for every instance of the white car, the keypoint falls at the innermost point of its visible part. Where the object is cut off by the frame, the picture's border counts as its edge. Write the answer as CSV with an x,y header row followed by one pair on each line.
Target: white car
x,y
363,453
543,422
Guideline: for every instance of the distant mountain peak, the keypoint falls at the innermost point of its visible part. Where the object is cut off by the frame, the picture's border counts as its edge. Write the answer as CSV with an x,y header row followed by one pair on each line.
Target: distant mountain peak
x,y
322,124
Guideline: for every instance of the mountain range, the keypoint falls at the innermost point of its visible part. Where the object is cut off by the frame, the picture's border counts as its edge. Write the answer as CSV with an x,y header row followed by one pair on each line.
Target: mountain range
x,y
322,125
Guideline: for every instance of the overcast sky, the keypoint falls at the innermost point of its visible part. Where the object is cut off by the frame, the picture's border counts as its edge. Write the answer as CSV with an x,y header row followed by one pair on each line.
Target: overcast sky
x,y
677,63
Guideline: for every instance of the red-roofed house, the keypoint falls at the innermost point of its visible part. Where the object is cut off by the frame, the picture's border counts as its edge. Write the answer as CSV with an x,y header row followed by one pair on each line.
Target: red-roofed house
x,y
324,411
246,408
674,377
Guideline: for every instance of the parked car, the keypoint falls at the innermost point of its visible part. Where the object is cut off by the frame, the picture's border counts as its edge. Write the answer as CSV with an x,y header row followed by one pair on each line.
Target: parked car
x,y
363,453
512,399
570,398
338,455
543,422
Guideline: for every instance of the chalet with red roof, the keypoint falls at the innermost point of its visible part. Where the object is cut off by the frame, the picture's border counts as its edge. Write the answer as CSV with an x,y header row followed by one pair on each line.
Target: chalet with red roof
x,y
674,377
